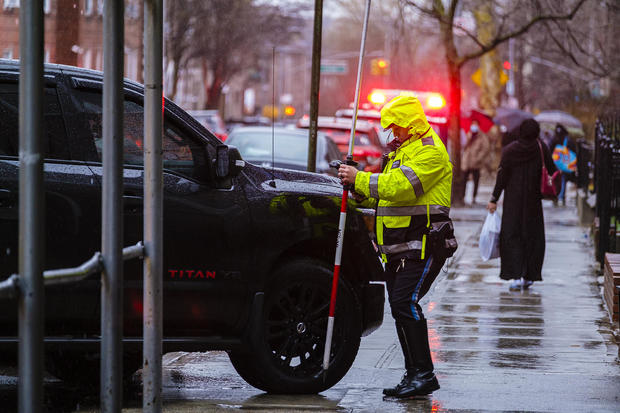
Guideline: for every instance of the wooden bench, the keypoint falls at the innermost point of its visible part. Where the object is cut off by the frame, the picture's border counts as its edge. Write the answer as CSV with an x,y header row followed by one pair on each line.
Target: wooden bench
x,y
612,280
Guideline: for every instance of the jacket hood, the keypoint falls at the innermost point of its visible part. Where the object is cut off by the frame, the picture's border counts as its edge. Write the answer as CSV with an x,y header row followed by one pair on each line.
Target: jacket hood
x,y
406,112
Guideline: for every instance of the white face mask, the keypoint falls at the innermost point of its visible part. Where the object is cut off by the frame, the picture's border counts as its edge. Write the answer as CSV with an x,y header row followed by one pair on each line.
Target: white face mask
x,y
474,128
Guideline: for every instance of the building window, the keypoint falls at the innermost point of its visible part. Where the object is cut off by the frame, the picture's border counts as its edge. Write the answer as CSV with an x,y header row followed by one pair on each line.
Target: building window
x,y
88,7
7,53
47,6
87,59
11,4
100,7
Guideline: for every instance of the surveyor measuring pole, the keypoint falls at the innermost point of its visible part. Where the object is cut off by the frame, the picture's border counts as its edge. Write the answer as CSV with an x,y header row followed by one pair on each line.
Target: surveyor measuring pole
x,y
343,205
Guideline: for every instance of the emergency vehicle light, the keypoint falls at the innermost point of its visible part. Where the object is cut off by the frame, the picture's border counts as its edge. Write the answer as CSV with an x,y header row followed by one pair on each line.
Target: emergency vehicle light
x,y
377,98
435,101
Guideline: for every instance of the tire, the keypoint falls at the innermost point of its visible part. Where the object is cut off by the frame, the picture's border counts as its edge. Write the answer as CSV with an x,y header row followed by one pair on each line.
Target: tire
x,y
285,354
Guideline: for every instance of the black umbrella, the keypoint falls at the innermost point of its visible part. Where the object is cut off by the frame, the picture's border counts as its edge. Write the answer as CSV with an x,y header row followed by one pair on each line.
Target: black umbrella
x,y
510,119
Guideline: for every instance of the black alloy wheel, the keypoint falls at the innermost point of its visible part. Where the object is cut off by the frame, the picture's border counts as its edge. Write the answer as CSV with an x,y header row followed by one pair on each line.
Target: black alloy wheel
x,y
286,355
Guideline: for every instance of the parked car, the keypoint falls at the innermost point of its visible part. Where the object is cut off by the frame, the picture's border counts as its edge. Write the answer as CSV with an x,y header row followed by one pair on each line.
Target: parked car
x,y
367,150
211,120
369,115
248,251
290,145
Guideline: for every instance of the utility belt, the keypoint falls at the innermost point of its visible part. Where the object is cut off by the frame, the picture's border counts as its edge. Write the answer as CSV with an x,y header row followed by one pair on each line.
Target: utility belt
x,y
437,238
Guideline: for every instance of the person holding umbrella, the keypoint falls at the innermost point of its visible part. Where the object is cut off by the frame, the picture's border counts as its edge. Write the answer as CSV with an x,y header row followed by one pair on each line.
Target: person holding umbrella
x,y
412,197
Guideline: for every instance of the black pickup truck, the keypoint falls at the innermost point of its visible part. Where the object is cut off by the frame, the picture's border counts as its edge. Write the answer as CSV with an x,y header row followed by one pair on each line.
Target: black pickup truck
x,y
247,256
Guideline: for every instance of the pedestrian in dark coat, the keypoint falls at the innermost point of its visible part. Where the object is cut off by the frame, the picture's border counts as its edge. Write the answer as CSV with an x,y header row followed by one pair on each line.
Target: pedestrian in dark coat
x,y
522,236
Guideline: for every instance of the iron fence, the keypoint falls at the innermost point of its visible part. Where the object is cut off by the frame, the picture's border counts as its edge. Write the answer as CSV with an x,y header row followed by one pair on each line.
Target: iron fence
x,y
585,153
607,183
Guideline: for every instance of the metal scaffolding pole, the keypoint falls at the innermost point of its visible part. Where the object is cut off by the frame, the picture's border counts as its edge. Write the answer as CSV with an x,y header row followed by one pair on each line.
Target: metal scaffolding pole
x,y
31,207
111,208
315,84
153,205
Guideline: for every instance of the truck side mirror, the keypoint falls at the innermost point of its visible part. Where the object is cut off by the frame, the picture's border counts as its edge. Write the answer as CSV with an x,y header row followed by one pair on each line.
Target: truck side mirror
x,y
221,161
228,162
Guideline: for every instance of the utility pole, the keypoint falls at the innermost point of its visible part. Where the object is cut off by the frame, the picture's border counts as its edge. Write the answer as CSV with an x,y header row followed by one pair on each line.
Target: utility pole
x,y
314,86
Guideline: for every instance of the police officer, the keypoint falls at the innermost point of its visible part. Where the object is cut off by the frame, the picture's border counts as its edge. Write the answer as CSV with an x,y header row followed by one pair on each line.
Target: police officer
x,y
411,196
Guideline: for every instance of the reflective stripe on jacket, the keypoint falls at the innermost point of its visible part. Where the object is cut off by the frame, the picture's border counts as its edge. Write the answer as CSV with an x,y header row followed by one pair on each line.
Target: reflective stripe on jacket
x,y
413,191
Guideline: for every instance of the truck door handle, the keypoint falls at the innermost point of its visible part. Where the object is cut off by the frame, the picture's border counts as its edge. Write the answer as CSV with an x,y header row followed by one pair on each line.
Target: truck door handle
x,y
5,197
132,203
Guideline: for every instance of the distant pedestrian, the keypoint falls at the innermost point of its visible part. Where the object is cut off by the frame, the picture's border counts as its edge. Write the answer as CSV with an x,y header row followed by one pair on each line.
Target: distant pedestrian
x,y
564,153
522,237
476,155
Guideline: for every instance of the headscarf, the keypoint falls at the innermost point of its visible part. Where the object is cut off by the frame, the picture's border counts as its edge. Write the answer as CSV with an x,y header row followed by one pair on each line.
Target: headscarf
x,y
529,130
525,148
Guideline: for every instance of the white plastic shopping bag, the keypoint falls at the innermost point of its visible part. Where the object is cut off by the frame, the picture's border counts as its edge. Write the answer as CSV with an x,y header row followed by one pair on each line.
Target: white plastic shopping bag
x,y
489,236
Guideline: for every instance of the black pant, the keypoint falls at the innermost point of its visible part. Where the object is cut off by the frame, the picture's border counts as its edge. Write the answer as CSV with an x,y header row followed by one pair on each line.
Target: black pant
x,y
475,173
407,285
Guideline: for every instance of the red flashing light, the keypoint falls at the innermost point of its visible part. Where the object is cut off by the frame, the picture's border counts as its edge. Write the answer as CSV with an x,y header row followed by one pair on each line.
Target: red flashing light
x,y
506,65
377,98
435,101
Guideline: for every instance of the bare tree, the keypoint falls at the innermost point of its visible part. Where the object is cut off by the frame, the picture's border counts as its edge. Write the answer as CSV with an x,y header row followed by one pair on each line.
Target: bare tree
x,y
514,19
227,35
177,38
580,61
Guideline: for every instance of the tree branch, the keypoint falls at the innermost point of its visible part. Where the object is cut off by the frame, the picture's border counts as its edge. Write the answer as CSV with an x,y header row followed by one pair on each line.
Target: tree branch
x,y
573,58
452,9
430,12
516,33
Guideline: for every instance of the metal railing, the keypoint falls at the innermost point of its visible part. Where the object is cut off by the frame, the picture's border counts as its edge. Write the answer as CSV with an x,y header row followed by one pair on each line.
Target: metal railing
x,y
27,287
607,183
11,287
585,152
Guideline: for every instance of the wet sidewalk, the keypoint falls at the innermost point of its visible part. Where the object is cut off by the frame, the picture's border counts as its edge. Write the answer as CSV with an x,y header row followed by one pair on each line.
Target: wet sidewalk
x,y
546,349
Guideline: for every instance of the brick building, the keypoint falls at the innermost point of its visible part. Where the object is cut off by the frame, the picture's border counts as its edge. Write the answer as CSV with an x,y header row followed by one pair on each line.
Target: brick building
x,y
74,33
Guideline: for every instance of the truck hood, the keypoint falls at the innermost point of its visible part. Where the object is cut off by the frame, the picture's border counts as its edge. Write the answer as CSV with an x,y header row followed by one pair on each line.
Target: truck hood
x,y
292,181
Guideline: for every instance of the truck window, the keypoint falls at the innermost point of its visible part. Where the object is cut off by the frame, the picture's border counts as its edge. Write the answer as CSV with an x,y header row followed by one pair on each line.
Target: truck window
x,y
181,154
54,132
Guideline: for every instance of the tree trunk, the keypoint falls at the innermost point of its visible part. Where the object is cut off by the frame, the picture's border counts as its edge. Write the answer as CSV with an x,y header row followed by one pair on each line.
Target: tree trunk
x,y
175,79
214,92
490,65
454,115
454,132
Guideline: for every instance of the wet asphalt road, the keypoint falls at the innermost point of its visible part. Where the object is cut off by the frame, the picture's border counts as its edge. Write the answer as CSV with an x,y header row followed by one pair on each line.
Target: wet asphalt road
x,y
547,349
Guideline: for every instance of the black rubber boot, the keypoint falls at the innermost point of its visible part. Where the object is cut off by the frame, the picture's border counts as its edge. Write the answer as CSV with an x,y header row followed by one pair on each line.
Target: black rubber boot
x,y
409,366
424,380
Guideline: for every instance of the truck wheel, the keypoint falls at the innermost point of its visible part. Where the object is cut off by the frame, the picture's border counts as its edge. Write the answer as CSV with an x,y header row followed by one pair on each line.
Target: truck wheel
x,y
285,354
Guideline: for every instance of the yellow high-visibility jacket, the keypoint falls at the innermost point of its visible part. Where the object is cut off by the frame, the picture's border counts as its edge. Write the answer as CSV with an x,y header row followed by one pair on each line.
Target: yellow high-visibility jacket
x,y
414,189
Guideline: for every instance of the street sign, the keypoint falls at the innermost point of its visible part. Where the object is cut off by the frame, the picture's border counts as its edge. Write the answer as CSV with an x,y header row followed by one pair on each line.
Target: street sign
x,y
334,67
476,77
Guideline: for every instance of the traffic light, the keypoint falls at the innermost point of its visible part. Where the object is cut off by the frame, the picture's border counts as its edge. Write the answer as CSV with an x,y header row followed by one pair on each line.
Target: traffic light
x,y
380,67
289,110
